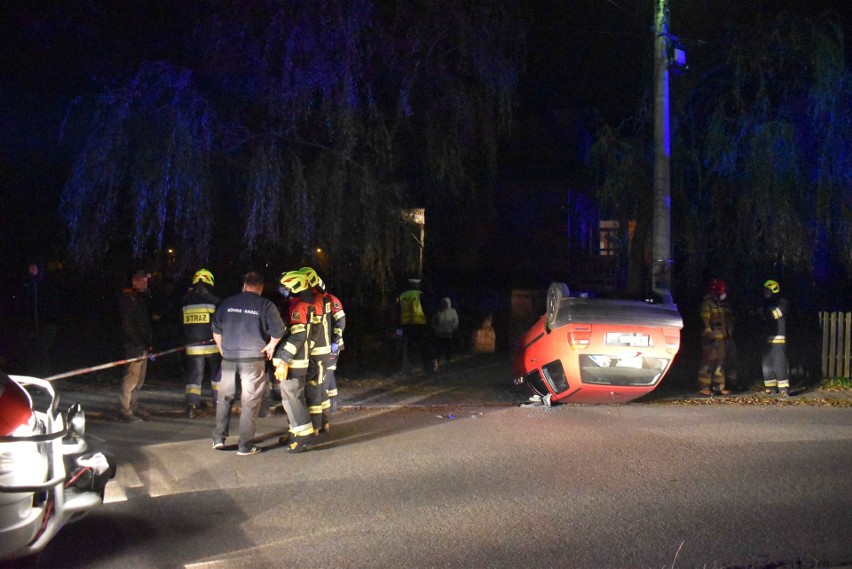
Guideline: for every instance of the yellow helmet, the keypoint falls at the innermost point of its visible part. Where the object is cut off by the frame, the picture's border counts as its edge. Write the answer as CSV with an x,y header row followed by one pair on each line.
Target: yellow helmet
x,y
313,278
204,276
773,286
295,281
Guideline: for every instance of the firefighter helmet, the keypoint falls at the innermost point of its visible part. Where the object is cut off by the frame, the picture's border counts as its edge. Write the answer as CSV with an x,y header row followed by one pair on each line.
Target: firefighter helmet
x,y
718,287
773,286
313,278
203,276
295,281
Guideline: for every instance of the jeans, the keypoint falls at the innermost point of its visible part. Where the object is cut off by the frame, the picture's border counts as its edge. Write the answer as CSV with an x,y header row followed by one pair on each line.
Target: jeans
x,y
253,384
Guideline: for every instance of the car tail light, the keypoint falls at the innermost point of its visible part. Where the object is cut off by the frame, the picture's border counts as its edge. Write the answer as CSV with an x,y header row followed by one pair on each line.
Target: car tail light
x,y
672,337
579,337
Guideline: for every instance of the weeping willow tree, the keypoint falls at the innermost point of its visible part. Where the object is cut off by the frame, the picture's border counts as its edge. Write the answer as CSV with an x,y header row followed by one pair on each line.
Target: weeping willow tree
x,y
316,122
764,168
761,168
142,175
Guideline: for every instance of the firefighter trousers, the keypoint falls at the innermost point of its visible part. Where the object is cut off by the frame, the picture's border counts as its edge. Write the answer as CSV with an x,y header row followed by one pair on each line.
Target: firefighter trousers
x,y
775,366
195,375
294,394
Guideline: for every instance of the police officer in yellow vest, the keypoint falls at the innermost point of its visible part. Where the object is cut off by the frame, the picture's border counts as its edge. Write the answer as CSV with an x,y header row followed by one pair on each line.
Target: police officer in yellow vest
x,y
199,305
412,321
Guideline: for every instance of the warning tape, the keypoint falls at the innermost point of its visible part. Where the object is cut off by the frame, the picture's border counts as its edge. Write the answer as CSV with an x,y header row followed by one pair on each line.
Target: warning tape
x,y
117,363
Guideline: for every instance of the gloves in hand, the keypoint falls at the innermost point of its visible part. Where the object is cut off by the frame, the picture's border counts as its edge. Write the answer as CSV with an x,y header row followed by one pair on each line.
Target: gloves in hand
x,y
335,348
281,371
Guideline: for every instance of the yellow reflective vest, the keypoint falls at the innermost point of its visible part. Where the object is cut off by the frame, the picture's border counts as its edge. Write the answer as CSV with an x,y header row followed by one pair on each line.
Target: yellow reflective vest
x,y
410,310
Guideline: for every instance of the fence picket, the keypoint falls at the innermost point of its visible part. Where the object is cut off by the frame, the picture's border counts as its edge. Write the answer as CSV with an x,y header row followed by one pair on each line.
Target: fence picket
x,y
836,344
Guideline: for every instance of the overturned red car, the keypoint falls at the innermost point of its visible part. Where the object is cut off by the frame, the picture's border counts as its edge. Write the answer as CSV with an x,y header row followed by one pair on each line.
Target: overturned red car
x,y
595,350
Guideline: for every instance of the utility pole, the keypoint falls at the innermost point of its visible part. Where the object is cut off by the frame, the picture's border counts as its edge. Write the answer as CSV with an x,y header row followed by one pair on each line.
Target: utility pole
x,y
661,270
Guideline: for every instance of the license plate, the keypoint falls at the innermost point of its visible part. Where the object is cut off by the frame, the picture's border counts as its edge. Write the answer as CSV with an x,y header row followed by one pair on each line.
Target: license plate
x,y
632,339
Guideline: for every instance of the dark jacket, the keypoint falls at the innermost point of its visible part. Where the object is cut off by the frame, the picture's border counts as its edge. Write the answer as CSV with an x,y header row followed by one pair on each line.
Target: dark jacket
x,y
135,323
199,307
775,312
246,322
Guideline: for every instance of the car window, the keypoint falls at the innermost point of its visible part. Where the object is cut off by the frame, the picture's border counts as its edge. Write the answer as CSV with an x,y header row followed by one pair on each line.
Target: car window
x,y
534,380
555,374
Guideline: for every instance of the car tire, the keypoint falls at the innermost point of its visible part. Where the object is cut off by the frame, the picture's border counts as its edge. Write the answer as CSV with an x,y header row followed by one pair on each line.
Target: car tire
x,y
555,294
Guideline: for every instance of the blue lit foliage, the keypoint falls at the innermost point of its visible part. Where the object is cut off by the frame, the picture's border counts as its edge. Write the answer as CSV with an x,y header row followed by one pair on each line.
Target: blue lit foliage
x,y
142,176
764,152
331,118
368,109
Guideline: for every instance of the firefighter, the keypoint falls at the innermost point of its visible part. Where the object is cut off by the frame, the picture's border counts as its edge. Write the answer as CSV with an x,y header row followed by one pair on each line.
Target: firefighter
x,y
199,305
301,395
716,340
774,314
333,323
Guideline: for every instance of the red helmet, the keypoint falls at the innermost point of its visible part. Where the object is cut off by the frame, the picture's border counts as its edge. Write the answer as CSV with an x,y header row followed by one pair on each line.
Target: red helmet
x,y
718,287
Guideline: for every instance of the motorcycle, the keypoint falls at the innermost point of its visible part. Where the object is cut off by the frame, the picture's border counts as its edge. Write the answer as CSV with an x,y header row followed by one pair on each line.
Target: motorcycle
x,y
48,475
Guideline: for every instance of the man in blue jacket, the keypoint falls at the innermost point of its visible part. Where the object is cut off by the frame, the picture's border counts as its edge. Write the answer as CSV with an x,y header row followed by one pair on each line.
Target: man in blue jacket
x,y
246,328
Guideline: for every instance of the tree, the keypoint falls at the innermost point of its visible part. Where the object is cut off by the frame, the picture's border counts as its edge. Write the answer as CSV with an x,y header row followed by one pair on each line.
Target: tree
x,y
765,177
760,175
316,123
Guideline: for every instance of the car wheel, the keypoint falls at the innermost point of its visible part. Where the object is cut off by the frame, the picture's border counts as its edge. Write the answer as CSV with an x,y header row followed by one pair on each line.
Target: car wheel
x,y
555,294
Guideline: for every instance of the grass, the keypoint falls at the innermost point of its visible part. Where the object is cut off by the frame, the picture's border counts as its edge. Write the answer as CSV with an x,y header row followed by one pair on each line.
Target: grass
x,y
837,383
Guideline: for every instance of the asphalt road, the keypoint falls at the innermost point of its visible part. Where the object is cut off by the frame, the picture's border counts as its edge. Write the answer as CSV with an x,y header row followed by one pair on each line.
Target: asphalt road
x,y
646,486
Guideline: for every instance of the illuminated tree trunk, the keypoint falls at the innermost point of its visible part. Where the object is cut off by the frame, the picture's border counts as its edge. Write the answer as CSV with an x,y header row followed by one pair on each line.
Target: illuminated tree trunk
x,y
662,238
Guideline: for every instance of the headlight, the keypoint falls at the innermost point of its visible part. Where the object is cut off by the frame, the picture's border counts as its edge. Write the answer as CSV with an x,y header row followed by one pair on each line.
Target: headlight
x,y
76,420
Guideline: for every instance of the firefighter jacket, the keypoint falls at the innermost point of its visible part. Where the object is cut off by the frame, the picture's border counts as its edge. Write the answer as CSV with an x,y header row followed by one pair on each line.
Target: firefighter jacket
x,y
337,320
199,305
246,322
135,323
410,309
775,318
295,350
327,323
717,317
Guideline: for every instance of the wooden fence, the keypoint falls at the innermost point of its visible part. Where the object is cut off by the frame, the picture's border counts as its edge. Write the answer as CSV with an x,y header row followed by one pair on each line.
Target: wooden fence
x,y
836,344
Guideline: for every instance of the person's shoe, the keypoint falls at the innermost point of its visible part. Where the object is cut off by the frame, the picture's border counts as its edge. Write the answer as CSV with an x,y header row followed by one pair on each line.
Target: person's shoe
x,y
721,391
219,444
334,405
783,392
190,411
705,392
248,451
769,391
129,418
